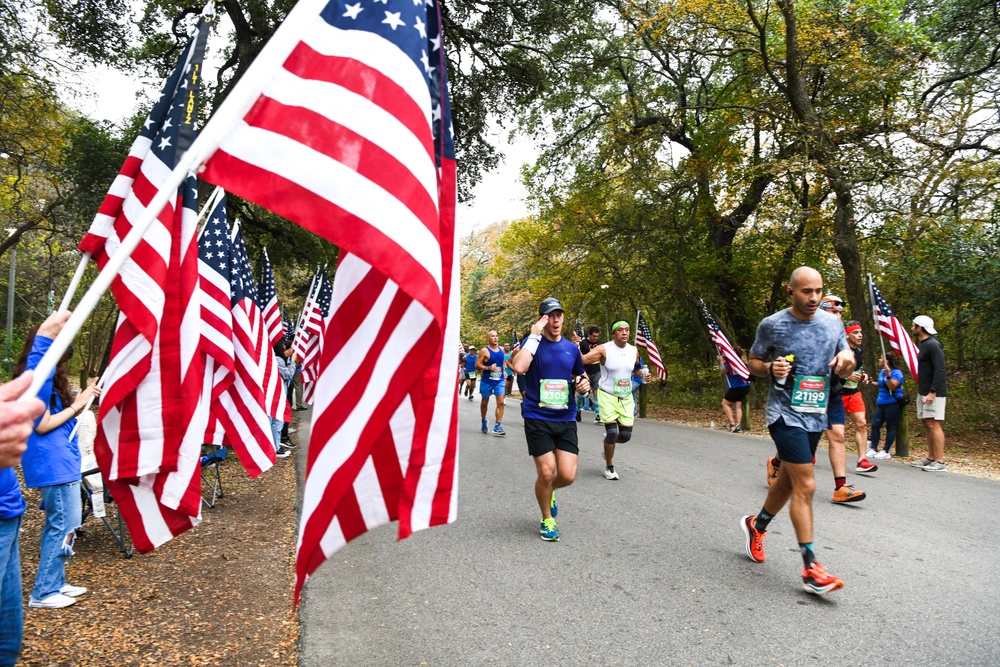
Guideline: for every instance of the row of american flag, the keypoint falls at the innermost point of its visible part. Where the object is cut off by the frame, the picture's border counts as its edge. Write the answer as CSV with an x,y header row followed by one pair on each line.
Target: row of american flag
x,y
343,126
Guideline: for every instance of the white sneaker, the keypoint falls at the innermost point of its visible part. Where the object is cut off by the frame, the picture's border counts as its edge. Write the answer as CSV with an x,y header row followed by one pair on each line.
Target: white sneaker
x,y
882,455
283,453
609,473
57,601
291,429
870,454
73,591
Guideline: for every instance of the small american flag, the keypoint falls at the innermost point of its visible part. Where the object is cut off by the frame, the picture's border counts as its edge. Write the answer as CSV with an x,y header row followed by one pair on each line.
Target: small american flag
x,y
578,330
643,338
729,355
343,125
289,325
892,330
269,300
318,320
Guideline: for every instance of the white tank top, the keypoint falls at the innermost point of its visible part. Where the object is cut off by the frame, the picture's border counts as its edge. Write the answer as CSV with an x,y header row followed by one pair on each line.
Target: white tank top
x,y
616,371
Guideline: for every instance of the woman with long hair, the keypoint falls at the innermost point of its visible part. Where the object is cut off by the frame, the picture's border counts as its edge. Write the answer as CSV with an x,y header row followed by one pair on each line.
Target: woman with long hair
x,y
51,464
887,410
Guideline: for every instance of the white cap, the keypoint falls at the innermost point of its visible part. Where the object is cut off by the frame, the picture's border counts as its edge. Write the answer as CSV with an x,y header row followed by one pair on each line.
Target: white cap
x,y
925,322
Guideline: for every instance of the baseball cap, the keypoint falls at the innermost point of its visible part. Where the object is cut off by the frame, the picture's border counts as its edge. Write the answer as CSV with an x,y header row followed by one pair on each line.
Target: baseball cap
x,y
925,322
830,302
549,305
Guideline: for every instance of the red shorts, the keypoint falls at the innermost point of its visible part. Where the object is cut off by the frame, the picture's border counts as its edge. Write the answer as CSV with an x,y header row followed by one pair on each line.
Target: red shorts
x,y
853,403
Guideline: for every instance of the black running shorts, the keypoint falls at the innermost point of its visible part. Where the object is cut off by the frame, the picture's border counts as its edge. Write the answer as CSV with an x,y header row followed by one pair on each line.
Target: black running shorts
x,y
737,394
544,436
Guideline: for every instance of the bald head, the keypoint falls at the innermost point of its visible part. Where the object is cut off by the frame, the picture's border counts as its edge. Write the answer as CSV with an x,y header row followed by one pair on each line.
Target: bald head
x,y
806,289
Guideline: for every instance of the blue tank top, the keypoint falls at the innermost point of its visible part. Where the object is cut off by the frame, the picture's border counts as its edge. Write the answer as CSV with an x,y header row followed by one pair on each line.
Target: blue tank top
x,y
494,376
470,362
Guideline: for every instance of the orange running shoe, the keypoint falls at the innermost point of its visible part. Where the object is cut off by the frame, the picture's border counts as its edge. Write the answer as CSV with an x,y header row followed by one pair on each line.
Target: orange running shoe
x,y
816,580
848,494
755,539
772,471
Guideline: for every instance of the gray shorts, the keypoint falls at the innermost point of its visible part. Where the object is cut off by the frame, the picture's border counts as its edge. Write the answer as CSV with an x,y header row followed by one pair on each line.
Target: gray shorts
x,y
933,411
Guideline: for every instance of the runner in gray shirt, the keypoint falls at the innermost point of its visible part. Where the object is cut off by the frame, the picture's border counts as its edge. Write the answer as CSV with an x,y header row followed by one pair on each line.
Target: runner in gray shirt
x,y
798,348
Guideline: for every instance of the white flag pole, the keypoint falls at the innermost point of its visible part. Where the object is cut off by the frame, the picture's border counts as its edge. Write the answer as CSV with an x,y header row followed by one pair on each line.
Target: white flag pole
x,y
93,295
75,282
100,385
209,206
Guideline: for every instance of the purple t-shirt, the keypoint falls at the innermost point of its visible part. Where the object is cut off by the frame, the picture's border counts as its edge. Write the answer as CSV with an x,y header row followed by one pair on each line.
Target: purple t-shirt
x,y
560,360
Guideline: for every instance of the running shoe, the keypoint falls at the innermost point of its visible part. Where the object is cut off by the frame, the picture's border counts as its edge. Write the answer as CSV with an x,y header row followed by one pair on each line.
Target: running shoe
x,y
738,429
597,419
922,464
548,530
552,506
816,580
579,416
847,494
935,466
486,427
864,465
754,539
883,455
498,430
609,473
870,454
772,471
732,428
283,453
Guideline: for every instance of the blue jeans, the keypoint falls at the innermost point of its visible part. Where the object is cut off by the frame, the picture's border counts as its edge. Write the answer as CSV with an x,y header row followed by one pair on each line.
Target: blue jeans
x,y
11,610
888,415
276,426
62,518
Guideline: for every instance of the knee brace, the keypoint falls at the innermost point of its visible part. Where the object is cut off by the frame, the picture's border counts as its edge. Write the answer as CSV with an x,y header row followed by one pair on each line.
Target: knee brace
x,y
611,433
624,433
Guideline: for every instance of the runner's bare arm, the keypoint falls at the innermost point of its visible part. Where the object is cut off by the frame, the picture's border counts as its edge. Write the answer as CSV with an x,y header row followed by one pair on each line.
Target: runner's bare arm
x,y
530,344
843,363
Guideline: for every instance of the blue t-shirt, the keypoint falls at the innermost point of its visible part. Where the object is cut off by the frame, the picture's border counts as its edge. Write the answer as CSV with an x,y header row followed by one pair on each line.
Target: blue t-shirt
x,y
636,381
884,397
814,343
11,501
495,358
52,458
734,380
560,360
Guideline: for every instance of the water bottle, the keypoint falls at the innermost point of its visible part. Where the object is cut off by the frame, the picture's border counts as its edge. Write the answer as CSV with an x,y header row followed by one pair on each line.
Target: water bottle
x,y
781,382
712,425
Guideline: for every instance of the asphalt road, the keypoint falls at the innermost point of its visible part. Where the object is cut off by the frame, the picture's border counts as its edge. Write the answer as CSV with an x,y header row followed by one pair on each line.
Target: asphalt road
x,y
651,569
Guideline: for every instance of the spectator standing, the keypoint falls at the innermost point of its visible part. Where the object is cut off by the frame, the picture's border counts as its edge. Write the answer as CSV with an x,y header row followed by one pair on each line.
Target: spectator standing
x,y
736,393
887,408
932,391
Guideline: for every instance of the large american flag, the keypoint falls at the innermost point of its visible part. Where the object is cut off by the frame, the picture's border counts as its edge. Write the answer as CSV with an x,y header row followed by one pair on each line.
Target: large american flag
x,y
343,125
154,409
892,330
643,338
233,337
729,355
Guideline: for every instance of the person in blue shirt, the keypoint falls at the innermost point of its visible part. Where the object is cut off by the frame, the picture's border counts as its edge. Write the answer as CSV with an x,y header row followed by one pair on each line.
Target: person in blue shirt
x,y
51,464
736,393
490,363
887,410
470,372
552,365
16,423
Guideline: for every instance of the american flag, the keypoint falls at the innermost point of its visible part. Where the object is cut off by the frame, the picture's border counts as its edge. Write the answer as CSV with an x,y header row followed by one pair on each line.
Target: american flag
x,y
343,125
237,396
729,355
643,338
308,318
289,326
150,462
892,330
269,300
578,330
319,316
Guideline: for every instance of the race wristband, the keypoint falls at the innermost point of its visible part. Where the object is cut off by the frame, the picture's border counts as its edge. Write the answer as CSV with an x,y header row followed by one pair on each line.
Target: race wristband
x,y
531,344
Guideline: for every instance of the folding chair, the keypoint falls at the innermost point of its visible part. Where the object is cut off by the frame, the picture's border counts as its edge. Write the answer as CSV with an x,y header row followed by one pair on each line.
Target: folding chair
x,y
97,500
213,456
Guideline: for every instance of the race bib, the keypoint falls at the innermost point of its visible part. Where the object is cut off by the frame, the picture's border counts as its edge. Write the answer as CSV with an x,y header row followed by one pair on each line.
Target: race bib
x,y
553,394
623,387
810,393
496,375
472,374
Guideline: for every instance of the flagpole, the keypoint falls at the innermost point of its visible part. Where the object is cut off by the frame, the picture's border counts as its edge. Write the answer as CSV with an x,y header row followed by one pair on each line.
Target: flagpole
x,y
75,282
90,402
871,299
104,279
213,200
636,330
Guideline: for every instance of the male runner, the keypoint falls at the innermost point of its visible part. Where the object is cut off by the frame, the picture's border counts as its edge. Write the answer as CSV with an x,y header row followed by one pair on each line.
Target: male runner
x,y
490,364
593,370
470,372
804,347
552,364
508,375
842,491
616,407
854,402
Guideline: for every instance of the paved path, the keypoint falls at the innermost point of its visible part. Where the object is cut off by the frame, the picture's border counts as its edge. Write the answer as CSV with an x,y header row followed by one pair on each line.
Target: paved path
x,y
650,570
